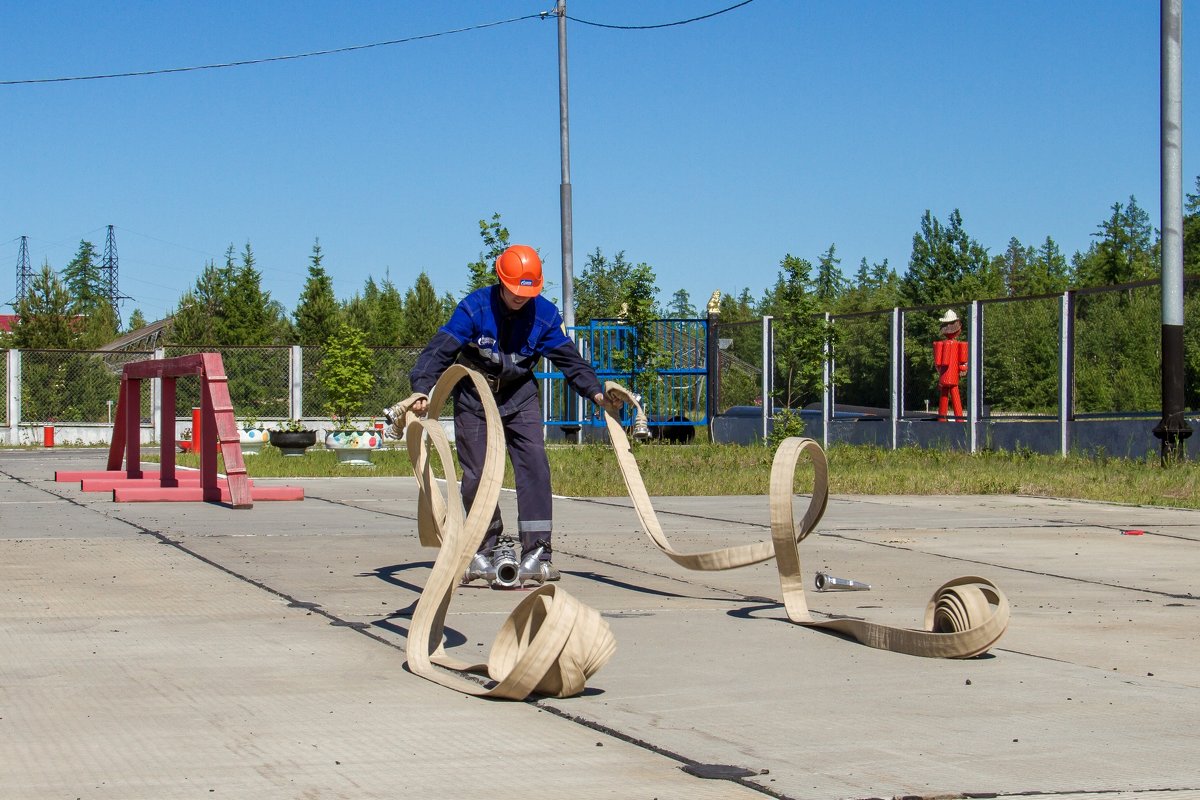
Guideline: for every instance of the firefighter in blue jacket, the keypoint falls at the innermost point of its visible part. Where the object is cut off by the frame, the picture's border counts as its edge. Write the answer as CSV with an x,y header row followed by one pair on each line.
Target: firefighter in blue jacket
x,y
502,331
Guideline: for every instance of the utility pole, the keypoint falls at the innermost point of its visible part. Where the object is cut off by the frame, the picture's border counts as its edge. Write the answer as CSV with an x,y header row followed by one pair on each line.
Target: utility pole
x,y
1173,429
564,190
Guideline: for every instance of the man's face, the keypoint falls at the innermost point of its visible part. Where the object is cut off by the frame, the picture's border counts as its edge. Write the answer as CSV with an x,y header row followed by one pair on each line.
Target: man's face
x,y
512,301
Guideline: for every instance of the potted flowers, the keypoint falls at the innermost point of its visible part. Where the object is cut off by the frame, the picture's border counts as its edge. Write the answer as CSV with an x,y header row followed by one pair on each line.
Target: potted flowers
x,y
292,438
345,374
253,435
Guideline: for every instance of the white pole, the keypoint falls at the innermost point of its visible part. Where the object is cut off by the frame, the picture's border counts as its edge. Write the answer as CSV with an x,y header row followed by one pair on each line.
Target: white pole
x,y
768,369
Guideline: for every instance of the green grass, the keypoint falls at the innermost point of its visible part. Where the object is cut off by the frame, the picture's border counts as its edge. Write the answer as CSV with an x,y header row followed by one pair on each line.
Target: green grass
x,y
708,469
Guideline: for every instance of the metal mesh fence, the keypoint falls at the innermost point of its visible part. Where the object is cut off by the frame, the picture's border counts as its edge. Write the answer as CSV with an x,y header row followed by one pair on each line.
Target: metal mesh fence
x,y
1118,350
1116,341
1117,354
74,385
861,359
67,386
390,367
740,351
4,386
1020,357
258,380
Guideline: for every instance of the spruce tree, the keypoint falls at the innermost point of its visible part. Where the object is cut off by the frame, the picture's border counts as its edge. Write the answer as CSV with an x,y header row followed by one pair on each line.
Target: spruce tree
x,y
1123,252
943,256
317,313
199,318
359,309
45,318
246,311
830,284
137,320
681,305
82,279
387,316
742,308
424,313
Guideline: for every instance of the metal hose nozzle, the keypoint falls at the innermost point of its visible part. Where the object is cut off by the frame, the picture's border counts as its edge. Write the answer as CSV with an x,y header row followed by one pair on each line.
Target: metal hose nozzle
x,y
506,569
533,568
480,567
395,418
828,583
641,427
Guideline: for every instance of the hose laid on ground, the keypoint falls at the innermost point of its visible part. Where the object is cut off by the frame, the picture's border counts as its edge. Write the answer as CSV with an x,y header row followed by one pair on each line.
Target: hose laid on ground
x,y
551,643
965,617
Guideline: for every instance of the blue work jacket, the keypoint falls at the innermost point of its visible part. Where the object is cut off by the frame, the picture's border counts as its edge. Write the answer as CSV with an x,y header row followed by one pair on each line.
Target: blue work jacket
x,y
505,346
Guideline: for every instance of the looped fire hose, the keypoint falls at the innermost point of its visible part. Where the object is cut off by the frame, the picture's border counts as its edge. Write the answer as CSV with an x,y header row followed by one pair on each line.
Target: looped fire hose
x,y
965,617
551,643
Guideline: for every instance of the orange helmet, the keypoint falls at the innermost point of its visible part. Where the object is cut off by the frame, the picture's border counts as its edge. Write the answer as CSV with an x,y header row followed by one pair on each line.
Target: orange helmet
x,y
520,270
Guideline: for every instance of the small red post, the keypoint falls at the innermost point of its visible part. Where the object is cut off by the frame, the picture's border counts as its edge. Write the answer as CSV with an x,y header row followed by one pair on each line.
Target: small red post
x,y
48,436
196,430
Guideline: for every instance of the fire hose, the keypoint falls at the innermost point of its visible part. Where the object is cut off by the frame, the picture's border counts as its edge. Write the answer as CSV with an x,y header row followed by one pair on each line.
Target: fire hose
x,y
964,618
551,643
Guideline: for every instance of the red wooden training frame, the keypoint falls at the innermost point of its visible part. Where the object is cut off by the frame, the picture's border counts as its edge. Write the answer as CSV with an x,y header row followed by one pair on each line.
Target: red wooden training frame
x,y
219,428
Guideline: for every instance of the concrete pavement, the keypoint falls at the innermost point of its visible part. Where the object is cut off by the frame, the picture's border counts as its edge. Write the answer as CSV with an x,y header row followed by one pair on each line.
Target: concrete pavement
x,y
185,650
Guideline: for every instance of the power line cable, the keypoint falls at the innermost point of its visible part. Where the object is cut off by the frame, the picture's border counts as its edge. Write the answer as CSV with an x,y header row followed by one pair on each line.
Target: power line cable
x,y
164,241
352,48
270,59
660,25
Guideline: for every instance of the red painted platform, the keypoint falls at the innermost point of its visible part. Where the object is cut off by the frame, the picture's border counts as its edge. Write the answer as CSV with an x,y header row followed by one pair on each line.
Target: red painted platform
x,y
183,479
196,493
217,435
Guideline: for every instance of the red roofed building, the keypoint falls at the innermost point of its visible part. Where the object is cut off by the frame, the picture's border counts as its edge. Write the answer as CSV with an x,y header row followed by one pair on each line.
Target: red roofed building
x,y
8,322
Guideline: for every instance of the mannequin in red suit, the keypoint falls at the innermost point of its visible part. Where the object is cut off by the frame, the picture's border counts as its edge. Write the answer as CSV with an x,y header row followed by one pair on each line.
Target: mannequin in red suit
x,y
950,358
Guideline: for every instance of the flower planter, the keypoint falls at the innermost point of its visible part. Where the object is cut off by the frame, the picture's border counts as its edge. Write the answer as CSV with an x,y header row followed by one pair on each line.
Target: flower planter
x,y
354,447
252,440
293,443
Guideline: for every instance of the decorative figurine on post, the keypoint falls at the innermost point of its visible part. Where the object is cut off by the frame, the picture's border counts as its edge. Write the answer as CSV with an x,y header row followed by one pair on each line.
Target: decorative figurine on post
x,y
950,358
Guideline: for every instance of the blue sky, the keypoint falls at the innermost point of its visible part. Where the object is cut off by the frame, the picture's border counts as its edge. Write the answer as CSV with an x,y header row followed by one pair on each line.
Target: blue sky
x,y
709,150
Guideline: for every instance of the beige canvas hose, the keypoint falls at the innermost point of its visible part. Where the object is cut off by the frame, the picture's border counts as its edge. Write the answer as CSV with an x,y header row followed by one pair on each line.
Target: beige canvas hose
x,y
551,643
965,617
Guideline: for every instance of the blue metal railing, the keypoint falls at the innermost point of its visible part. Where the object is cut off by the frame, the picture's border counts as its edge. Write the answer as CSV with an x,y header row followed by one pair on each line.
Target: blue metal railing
x,y
678,397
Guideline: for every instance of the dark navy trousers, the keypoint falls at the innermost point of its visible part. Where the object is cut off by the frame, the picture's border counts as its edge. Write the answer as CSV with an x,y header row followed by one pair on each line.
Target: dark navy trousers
x,y
525,440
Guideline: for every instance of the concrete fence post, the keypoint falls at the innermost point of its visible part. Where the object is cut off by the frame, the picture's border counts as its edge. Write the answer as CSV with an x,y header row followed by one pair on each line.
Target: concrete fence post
x,y
974,374
156,403
13,392
296,382
1066,370
897,374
